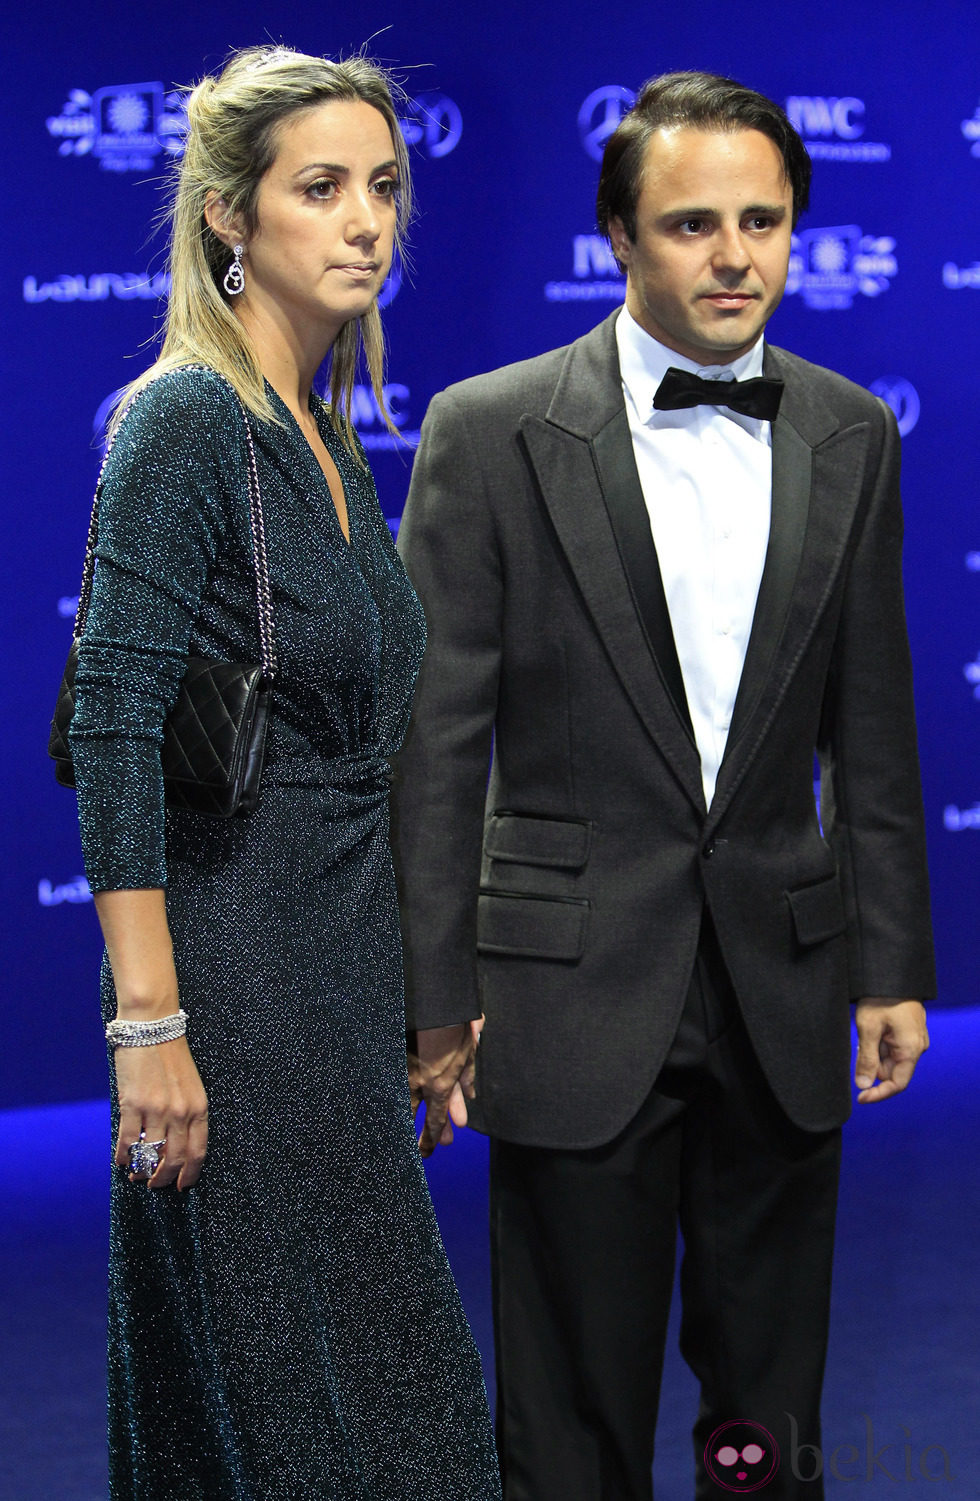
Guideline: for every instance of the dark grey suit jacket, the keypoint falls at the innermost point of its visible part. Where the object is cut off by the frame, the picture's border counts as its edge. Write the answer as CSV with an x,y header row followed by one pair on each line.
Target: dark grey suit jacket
x,y
566,901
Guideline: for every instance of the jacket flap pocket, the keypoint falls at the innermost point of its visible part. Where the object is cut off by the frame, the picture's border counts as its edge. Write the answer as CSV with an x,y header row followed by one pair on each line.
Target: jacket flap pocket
x,y
532,927
818,911
558,842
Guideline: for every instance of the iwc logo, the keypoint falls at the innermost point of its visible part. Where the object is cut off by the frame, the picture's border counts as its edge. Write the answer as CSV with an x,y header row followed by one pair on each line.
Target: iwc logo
x,y
599,115
126,127
370,424
833,127
830,267
597,276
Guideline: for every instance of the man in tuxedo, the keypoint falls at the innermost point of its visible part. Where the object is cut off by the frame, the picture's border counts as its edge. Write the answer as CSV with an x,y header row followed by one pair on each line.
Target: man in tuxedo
x,y
661,569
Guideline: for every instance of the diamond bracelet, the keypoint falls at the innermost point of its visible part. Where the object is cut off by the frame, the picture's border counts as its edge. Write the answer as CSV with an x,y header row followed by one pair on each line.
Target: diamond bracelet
x,y
136,1034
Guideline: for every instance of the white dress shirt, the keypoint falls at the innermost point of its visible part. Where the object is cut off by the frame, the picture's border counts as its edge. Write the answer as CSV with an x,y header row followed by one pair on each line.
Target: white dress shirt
x,y
706,476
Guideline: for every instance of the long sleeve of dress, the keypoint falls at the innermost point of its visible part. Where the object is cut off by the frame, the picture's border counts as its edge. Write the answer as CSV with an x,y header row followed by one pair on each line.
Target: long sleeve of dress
x,y
164,507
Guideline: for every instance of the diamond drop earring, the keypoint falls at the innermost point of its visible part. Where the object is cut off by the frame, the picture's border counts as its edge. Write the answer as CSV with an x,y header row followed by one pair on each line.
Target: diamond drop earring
x,y
234,281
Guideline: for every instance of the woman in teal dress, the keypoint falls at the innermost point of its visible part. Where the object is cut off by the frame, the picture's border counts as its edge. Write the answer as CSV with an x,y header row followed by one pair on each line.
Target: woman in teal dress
x,y
283,1321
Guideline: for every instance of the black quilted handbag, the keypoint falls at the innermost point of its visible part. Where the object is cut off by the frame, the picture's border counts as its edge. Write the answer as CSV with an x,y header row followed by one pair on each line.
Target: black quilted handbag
x,y
214,737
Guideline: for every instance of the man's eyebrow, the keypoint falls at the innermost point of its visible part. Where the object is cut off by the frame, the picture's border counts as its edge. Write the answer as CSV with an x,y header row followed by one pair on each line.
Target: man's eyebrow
x,y
777,210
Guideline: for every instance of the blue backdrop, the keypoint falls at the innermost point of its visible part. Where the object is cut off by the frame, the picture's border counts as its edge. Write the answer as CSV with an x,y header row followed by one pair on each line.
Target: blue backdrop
x,y
511,107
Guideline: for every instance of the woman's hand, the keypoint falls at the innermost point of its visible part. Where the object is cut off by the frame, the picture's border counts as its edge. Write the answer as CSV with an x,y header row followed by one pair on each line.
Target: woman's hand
x,y
161,1094
160,1089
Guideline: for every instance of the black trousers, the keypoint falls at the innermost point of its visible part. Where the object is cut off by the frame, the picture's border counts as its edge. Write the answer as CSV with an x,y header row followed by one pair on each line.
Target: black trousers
x,y
583,1247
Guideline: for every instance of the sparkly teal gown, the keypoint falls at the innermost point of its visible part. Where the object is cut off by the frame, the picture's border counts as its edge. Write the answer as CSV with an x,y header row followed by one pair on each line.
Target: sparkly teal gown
x,y
290,1327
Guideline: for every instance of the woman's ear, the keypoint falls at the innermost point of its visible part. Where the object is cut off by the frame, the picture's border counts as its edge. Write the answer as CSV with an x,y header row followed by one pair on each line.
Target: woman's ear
x,y
221,223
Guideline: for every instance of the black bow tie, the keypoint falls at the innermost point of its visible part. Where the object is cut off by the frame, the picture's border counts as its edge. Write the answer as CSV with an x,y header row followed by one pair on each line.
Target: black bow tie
x,y
753,398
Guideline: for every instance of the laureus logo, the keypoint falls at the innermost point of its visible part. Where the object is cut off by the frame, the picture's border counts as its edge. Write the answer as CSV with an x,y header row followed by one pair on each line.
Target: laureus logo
x,y
125,127
50,894
830,267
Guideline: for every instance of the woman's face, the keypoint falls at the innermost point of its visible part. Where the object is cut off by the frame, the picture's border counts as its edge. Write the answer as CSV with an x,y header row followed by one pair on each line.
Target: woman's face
x,y
326,213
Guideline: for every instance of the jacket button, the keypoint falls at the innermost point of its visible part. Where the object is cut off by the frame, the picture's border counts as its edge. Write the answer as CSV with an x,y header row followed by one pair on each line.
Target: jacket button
x,y
709,849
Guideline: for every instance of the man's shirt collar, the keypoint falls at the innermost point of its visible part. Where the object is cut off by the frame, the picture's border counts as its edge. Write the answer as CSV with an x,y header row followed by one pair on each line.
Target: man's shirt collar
x,y
644,361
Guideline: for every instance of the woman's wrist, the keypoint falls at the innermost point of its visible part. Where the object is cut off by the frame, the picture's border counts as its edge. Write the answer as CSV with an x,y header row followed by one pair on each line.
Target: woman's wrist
x,y
145,1005
144,1034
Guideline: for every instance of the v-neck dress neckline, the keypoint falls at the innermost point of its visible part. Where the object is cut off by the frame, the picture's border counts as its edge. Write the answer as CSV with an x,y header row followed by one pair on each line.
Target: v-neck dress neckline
x,y
331,443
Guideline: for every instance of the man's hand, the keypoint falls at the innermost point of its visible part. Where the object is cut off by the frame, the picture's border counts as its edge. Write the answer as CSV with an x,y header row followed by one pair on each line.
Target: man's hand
x,y
441,1063
892,1037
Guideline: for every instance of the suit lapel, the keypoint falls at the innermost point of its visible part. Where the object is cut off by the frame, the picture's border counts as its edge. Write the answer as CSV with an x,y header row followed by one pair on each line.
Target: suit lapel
x,y
583,458
630,521
817,471
791,484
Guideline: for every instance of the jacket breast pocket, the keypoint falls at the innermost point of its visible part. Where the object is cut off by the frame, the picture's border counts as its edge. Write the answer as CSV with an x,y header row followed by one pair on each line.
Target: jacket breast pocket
x,y
532,927
817,911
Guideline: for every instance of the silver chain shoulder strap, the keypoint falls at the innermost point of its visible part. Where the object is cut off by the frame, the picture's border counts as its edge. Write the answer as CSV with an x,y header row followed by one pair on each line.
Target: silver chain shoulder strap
x,y
260,557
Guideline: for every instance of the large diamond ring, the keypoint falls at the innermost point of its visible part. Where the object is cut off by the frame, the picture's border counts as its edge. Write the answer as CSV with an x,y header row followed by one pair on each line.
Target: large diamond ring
x,y
145,1155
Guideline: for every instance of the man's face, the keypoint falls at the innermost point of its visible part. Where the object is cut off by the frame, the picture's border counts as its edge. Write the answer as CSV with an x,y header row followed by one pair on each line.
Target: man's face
x,y
713,226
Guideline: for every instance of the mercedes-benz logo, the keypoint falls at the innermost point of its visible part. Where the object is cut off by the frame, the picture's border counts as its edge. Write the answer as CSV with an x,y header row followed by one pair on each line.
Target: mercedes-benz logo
x,y
599,115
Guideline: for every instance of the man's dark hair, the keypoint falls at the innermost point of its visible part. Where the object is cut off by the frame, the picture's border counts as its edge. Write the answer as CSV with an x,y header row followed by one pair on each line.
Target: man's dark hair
x,y
703,101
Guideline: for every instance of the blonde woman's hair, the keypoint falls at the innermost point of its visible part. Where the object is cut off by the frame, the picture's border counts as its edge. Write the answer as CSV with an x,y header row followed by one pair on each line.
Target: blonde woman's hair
x,y
233,121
